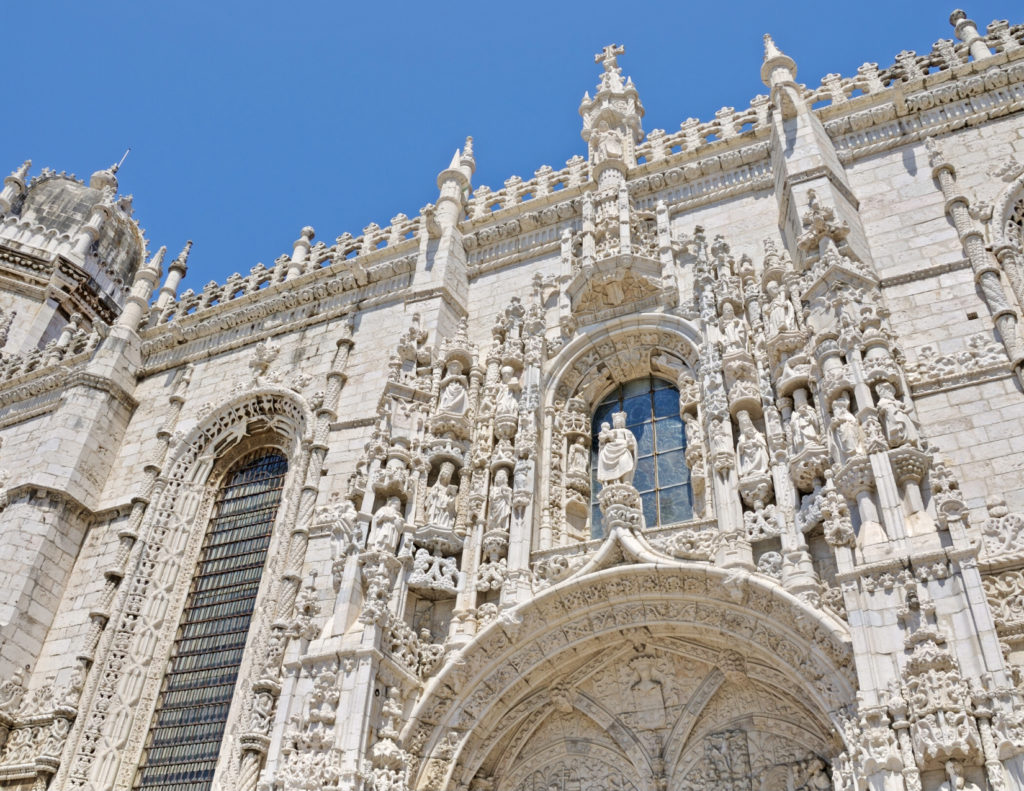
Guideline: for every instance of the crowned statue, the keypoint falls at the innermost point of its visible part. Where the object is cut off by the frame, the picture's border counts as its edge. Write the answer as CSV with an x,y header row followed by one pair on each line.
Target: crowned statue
x,y
616,460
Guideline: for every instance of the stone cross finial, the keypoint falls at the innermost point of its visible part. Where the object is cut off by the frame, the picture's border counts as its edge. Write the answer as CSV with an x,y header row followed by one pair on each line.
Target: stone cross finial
x,y
607,57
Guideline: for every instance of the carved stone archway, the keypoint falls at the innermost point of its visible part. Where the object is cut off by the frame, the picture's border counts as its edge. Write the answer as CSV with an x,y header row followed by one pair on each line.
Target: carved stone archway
x,y
107,740
620,350
647,673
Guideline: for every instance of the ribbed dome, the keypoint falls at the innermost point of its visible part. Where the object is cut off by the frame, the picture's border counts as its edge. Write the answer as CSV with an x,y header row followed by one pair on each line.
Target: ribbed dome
x,y
62,203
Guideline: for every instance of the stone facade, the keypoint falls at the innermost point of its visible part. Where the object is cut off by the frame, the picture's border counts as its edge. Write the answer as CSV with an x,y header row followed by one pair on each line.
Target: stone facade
x,y
472,584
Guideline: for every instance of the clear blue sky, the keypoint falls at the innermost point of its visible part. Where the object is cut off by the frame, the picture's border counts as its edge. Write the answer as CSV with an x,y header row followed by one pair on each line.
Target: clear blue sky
x,y
248,120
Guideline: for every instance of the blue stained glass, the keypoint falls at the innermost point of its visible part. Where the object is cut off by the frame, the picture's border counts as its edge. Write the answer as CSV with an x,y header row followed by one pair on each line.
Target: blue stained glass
x,y
672,469
644,434
637,409
676,504
662,477
666,403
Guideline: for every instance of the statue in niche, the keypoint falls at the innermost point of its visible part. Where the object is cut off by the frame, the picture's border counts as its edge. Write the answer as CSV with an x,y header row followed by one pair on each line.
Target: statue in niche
x,y
751,450
845,427
609,143
734,330
899,428
521,475
507,403
616,460
579,458
804,428
387,524
441,498
453,396
499,505
781,317
721,446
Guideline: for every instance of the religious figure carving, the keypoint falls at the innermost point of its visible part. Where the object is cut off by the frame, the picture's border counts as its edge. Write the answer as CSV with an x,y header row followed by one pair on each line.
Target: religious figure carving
x,y
751,450
804,428
507,403
579,458
899,428
616,461
781,317
499,506
734,330
441,498
387,524
845,427
453,396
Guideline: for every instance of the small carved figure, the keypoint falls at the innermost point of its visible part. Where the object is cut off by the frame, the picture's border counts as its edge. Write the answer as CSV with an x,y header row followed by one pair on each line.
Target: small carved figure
x,y
781,316
734,330
453,397
499,505
441,498
507,403
845,427
804,428
616,461
899,428
751,450
387,524
579,458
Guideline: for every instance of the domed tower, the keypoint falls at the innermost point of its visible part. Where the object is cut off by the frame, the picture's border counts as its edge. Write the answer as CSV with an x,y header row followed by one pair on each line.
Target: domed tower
x,y
66,247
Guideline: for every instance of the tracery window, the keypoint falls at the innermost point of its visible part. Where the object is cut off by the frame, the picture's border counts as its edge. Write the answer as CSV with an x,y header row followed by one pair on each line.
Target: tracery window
x,y
188,726
662,477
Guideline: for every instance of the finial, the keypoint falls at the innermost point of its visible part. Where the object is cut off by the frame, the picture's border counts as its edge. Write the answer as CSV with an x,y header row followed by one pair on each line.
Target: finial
x,y
117,167
607,56
775,60
467,160
182,260
157,260
22,172
958,15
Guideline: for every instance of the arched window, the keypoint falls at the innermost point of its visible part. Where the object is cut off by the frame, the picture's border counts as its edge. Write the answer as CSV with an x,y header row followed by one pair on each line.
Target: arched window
x,y
188,726
662,477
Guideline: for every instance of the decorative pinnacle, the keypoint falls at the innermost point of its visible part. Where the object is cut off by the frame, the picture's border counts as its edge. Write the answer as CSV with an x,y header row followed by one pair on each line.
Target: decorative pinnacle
x,y
467,160
22,172
181,262
776,59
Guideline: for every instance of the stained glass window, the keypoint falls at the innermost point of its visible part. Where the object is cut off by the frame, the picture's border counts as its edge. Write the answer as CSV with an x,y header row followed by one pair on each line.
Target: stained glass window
x,y
188,726
662,477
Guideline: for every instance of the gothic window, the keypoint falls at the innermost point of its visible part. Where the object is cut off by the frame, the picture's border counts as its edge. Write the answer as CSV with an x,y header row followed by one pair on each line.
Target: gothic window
x,y
188,726
662,477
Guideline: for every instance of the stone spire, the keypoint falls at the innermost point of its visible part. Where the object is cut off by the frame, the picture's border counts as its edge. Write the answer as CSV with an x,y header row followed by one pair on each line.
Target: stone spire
x,y
175,273
14,186
778,72
611,120
455,182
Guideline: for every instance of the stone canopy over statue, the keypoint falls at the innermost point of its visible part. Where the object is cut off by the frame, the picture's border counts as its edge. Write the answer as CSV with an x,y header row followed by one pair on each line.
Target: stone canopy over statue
x,y
616,460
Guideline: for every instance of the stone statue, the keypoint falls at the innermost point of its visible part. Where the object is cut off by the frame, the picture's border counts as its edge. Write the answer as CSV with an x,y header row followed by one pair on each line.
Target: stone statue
x,y
579,458
804,428
387,524
507,403
899,428
453,397
845,427
734,330
781,317
440,502
499,505
616,461
751,451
